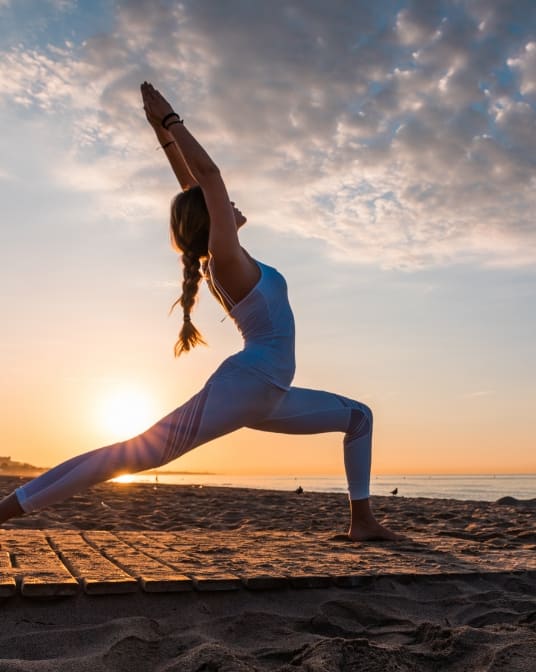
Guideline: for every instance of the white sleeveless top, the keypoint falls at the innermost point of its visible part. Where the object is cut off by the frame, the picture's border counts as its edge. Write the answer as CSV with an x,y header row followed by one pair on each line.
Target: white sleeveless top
x,y
265,320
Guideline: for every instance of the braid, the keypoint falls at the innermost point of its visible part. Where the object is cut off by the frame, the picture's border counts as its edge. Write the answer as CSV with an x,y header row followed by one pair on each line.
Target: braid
x,y
190,226
189,337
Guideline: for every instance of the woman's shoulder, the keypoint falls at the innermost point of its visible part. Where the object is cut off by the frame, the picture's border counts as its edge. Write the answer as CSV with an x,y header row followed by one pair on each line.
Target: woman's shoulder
x,y
235,279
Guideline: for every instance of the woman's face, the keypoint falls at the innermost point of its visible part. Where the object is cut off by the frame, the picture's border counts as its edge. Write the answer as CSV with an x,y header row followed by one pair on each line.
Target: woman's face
x,y
240,219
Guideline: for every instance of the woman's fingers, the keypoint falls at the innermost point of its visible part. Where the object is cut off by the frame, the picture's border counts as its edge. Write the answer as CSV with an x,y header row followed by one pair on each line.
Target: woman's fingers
x,y
155,105
149,88
148,91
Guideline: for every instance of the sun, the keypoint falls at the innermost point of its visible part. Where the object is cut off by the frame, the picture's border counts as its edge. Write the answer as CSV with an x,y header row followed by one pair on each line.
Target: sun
x,y
125,412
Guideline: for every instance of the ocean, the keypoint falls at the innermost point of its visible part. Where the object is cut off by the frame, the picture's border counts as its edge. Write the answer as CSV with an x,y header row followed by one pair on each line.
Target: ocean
x,y
466,487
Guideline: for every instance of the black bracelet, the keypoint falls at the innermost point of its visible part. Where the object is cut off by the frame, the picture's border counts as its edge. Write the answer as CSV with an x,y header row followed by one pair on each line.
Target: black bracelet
x,y
168,116
171,142
172,123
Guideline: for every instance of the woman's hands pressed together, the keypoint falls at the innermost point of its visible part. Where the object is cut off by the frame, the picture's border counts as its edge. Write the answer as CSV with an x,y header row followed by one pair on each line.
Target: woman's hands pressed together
x,y
155,105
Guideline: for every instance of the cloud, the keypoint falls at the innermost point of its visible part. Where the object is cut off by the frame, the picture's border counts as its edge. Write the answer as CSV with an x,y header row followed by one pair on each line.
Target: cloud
x,y
400,138
478,394
64,5
525,64
418,22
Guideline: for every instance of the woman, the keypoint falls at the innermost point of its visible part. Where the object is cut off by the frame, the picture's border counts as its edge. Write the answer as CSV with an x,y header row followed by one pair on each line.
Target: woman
x,y
252,388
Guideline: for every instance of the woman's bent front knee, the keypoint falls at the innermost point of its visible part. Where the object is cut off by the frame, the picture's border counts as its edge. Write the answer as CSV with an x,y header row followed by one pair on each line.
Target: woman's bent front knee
x,y
361,419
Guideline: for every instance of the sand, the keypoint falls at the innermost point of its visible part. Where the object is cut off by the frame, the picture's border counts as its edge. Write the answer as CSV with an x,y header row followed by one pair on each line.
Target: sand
x,y
460,596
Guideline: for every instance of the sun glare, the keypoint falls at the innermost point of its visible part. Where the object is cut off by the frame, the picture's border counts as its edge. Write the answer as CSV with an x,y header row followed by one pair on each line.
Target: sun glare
x,y
125,412
125,478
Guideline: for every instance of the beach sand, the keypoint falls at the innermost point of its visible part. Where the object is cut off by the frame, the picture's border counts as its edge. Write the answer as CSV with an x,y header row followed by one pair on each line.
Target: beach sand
x,y
460,596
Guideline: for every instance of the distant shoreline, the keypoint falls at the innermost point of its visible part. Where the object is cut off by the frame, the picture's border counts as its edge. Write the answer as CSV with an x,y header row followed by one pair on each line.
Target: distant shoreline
x,y
21,472
33,471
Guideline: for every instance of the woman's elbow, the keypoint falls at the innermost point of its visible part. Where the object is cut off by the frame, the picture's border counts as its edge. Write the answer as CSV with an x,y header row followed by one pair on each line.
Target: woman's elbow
x,y
209,175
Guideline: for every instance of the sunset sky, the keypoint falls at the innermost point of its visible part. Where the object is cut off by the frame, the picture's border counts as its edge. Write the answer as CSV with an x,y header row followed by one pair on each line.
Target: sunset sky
x,y
385,155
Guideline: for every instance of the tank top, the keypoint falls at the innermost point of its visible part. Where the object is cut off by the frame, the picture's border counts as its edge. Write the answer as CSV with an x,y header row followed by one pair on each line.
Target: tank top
x,y
265,320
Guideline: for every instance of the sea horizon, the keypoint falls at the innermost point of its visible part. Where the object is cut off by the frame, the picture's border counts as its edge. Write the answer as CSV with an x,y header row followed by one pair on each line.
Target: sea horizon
x,y
479,487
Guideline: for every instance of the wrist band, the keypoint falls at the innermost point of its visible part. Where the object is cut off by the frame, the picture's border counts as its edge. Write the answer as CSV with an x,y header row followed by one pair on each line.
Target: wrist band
x,y
169,116
172,123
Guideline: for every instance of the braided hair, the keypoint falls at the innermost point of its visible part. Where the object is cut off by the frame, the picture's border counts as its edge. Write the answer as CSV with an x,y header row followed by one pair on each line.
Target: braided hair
x,y
190,224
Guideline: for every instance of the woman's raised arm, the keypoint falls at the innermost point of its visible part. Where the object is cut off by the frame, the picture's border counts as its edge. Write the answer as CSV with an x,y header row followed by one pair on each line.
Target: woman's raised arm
x,y
172,151
223,238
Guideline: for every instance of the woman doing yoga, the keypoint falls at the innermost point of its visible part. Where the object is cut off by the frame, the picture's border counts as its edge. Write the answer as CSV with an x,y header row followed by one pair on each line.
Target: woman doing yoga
x,y
251,388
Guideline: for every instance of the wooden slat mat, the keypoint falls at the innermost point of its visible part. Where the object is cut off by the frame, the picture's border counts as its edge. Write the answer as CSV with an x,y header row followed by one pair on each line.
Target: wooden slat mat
x,y
46,563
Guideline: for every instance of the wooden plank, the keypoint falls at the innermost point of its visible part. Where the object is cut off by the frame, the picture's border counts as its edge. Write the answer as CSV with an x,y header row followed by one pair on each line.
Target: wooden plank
x,y
153,575
96,573
153,541
169,550
96,584
164,568
216,581
166,584
8,585
35,566
48,585
204,578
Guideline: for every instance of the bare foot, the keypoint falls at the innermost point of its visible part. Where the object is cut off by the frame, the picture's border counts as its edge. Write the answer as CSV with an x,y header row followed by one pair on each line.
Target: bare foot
x,y
373,531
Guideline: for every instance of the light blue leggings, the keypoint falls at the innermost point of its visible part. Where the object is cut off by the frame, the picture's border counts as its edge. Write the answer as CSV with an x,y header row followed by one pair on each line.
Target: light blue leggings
x,y
233,397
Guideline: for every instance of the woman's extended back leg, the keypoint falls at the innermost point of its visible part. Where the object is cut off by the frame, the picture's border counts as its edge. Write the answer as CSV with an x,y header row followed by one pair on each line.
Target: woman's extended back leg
x,y
232,398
